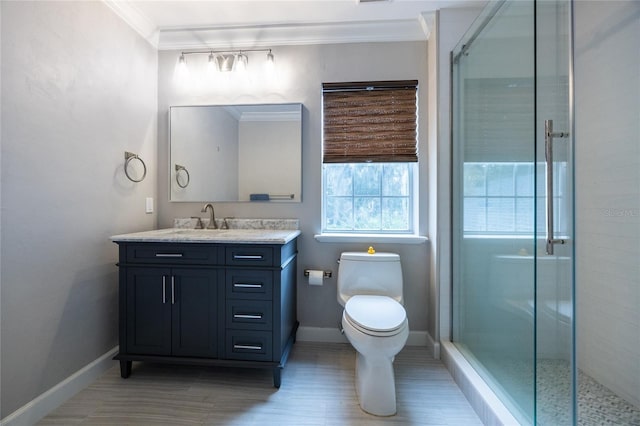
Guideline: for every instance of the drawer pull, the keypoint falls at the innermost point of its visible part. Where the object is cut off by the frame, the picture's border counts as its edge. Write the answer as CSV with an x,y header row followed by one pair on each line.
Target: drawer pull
x,y
248,316
244,285
250,347
168,254
247,257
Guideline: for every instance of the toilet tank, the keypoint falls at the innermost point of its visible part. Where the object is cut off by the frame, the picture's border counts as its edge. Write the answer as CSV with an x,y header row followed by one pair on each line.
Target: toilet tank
x,y
364,273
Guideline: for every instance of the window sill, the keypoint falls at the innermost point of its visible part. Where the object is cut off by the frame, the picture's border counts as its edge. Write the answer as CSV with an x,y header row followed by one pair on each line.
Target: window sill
x,y
371,238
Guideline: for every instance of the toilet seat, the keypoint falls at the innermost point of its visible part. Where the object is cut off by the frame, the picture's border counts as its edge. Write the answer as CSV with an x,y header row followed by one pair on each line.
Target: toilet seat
x,y
375,315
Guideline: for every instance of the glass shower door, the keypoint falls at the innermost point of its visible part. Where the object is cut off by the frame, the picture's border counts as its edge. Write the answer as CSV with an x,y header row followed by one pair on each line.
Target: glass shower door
x,y
513,206
555,349
494,202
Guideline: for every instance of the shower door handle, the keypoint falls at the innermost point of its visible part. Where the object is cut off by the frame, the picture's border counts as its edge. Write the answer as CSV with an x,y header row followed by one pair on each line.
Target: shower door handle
x,y
549,134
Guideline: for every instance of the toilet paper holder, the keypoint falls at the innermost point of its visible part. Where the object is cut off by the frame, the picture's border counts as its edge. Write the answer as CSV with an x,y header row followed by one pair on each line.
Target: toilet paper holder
x,y
325,274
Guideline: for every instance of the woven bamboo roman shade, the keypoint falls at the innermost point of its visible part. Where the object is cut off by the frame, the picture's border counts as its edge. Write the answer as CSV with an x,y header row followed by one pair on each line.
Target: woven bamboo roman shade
x,y
370,122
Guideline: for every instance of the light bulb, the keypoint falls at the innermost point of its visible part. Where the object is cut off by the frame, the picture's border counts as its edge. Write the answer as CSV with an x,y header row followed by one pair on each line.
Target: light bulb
x,y
181,73
243,62
271,63
225,62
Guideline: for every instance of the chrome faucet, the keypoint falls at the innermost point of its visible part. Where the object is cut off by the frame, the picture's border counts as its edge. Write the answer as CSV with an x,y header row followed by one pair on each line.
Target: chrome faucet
x,y
212,218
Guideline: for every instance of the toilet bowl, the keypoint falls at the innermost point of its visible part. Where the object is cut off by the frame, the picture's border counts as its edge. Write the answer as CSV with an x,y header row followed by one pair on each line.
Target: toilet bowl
x,y
375,323
376,345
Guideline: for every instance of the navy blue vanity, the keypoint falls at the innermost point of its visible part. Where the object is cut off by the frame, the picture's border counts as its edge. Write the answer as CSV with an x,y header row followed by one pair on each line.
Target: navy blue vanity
x,y
207,297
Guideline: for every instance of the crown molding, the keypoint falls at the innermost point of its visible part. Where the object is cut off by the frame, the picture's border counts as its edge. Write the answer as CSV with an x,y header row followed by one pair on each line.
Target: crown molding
x,y
427,23
136,20
293,34
256,36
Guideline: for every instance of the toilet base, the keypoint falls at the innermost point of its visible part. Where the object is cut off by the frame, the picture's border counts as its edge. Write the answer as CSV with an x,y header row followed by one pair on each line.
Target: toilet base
x,y
375,385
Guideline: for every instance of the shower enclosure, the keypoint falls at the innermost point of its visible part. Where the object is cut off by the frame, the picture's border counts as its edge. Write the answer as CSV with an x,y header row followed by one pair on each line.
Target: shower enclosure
x,y
524,262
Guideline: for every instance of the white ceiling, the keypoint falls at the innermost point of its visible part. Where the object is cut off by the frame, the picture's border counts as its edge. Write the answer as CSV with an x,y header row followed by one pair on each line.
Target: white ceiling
x,y
182,24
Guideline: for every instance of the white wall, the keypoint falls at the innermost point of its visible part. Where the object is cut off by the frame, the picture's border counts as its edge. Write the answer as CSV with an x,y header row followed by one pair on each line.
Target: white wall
x,y
433,291
302,70
607,87
78,89
451,26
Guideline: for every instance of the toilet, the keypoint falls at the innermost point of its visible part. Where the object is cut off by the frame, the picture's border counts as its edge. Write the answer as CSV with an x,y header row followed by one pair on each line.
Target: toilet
x,y
375,323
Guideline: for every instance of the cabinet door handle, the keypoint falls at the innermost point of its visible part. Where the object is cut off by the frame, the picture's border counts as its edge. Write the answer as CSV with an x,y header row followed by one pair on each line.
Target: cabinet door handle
x,y
173,290
250,347
248,316
164,289
168,254
246,285
247,257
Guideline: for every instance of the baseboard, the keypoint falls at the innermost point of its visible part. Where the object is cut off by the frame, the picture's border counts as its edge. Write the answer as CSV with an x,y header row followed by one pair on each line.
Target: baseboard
x,y
36,409
435,346
483,400
320,334
333,335
418,338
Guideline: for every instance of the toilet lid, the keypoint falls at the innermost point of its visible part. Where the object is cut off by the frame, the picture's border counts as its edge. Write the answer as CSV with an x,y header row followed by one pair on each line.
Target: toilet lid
x,y
375,313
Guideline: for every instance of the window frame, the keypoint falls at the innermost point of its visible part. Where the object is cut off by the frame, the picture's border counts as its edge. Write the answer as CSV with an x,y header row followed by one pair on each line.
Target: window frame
x,y
412,165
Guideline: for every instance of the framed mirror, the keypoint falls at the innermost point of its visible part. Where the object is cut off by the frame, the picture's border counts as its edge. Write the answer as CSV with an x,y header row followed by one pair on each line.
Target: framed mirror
x,y
235,153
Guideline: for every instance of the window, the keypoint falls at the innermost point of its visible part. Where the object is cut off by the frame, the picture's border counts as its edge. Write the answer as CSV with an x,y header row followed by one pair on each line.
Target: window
x,y
499,198
369,157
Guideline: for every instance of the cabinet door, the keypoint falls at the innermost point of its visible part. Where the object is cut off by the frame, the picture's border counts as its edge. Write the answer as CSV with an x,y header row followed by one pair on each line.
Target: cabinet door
x,y
194,313
148,311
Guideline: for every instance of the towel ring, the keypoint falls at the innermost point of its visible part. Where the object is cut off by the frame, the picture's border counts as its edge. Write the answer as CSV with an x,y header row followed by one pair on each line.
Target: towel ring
x,y
129,156
184,169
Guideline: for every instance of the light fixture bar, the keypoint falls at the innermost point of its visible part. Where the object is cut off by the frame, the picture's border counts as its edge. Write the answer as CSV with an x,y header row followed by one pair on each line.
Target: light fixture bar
x,y
228,60
213,52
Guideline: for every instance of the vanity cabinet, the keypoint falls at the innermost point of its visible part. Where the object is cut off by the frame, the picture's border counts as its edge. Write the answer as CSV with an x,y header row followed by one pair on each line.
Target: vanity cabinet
x,y
207,304
172,311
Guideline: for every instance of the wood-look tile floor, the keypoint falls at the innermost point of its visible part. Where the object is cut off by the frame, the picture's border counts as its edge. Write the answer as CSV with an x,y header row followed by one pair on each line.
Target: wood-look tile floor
x,y
317,389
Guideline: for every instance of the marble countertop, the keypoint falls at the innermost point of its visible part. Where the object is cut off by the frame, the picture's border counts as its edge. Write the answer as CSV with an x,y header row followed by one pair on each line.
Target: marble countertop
x,y
236,236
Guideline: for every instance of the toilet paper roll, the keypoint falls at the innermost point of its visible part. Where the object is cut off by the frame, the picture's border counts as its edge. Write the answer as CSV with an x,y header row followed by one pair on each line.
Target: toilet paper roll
x,y
315,277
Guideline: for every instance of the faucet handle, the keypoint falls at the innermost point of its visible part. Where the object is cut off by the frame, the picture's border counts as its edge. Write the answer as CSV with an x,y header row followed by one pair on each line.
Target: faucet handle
x,y
199,224
225,224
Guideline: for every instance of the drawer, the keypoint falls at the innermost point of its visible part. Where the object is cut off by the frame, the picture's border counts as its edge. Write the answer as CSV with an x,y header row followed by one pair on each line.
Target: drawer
x,y
188,254
249,284
249,256
249,314
248,345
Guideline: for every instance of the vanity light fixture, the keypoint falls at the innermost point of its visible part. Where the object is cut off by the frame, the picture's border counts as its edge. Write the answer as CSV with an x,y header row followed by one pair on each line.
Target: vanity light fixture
x,y
227,60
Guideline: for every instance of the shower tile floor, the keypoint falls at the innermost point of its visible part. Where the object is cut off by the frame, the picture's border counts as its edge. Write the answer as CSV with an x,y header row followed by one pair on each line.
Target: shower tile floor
x,y
597,405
